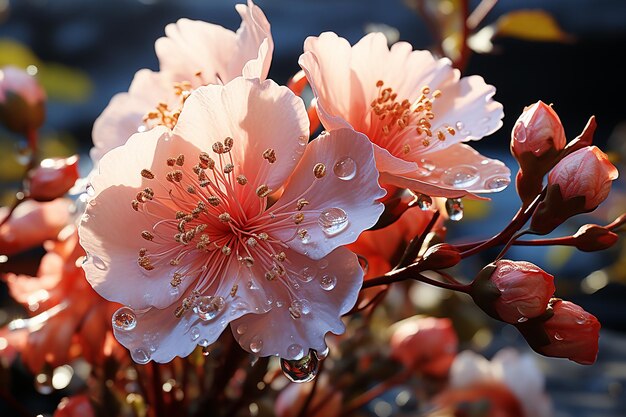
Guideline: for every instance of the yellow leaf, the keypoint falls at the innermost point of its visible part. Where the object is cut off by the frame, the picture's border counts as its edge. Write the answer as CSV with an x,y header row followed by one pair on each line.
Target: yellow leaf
x,y
532,25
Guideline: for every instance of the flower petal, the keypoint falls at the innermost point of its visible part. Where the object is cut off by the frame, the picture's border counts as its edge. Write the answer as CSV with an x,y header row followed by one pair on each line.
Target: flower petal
x,y
330,294
258,116
342,203
454,172
254,44
111,229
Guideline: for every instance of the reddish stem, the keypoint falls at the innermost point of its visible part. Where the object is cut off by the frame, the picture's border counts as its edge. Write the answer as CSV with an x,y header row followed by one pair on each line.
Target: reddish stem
x,y
376,391
412,272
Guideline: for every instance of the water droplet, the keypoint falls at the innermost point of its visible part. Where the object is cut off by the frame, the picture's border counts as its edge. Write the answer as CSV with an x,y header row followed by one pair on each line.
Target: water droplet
x,y
323,263
279,303
323,354
140,355
205,351
328,282
174,291
424,202
497,183
295,351
460,176
333,220
124,319
99,263
454,208
308,273
519,132
194,333
426,167
303,140
345,168
241,329
90,190
558,336
301,370
203,342
522,320
208,307
256,344
581,320
299,308
459,125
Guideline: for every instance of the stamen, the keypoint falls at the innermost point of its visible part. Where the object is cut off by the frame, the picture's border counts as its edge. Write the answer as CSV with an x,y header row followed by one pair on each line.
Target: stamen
x,y
180,160
146,173
270,155
147,235
298,218
228,144
263,191
242,180
233,290
226,250
301,203
319,170
228,168
218,148
224,217
171,162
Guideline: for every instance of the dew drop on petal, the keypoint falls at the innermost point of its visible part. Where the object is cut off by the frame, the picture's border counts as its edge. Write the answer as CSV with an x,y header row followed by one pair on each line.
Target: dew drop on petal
x,y
581,320
299,308
301,370
99,263
323,263
454,208
522,319
345,168
256,344
328,282
307,273
497,183
459,125
241,329
519,132
205,351
558,336
323,354
140,355
333,220
124,319
303,140
203,342
426,167
208,307
295,351
194,333
460,176
90,190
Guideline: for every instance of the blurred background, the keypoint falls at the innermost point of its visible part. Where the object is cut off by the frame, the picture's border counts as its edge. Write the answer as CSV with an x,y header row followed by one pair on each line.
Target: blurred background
x,y
85,51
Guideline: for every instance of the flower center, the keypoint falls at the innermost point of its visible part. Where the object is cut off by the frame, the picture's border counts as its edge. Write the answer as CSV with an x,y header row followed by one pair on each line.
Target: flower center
x,y
405,125
207,216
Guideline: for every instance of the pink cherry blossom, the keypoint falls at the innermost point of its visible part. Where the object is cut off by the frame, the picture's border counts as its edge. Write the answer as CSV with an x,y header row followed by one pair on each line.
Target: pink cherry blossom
x,y
231,218
192,54
414,108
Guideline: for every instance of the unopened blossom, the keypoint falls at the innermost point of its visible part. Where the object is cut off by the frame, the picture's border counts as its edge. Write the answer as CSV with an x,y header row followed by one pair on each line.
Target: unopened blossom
x,y
511,382
426,344
592,237
577,184
52,178
416,109
568,332
31,224
538,131
191,54
513,291
231,218
22,100
66,317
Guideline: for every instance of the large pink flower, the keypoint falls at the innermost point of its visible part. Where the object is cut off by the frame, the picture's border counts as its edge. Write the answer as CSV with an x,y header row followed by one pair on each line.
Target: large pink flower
x,y
192,54
186,230
414,108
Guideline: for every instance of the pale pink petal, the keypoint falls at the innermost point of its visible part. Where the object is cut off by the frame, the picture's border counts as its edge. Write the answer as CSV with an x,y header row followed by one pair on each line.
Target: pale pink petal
x,y
254,48
160,336
321,301
192,46
258,116
124,114
454,172
110,230
346,195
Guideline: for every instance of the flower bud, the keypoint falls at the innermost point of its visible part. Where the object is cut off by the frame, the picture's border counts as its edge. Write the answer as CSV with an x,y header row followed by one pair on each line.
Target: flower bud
x,y
53,178
426,344
513,291
538,131
440,256
577,184
591,238
566,331
22,101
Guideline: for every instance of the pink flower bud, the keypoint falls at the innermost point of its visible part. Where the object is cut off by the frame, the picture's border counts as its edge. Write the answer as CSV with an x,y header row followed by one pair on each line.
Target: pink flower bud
x,y
577,184
591,238
513,291
53,178
21,100
538,130
440,256
587,173
569,332
426,344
